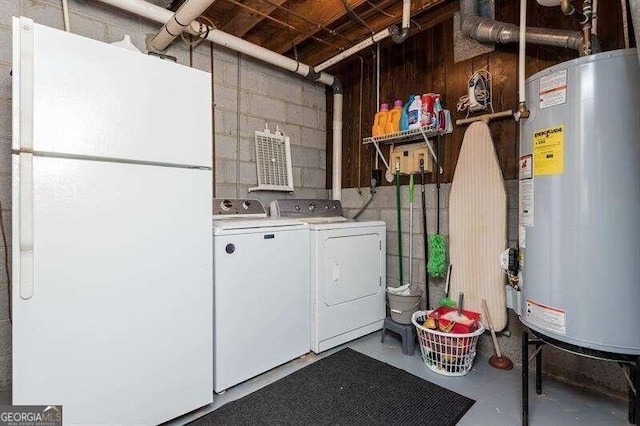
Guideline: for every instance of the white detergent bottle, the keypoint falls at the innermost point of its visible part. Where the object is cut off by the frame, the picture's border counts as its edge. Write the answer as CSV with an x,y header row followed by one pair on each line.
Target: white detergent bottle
x,y
414,113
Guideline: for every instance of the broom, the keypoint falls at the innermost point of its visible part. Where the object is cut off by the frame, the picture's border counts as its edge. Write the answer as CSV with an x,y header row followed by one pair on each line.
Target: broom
x,y
437,264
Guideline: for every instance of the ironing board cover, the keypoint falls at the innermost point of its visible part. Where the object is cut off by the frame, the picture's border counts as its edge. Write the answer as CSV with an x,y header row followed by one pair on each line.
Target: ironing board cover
x,y
478,226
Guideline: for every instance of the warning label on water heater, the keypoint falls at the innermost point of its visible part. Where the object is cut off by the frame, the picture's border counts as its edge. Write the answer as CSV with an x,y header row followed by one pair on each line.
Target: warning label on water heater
x,y
546,317
553,89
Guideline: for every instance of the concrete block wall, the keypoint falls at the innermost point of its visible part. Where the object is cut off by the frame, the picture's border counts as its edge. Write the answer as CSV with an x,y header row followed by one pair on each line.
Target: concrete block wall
x,y
266,93
578,371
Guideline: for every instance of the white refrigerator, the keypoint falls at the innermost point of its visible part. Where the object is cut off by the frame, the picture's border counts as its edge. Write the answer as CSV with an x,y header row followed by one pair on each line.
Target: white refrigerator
x,y
112,255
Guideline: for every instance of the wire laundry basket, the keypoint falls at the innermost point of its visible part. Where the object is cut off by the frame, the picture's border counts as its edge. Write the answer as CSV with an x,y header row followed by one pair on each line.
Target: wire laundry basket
x,y
446,353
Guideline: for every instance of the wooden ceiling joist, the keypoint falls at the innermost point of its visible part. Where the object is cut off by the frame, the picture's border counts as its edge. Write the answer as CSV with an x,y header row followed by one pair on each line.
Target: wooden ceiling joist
x,y
324,13
245,20
314,54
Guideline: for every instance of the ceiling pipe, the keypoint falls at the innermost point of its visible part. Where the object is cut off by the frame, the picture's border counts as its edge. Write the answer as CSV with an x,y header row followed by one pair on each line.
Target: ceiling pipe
x,y
173,27
397,35
486,30
358,47
634,10
160,15
406,19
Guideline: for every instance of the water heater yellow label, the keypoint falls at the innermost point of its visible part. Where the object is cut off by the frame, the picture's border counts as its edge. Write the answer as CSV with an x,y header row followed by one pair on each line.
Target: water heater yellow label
x,y
548,151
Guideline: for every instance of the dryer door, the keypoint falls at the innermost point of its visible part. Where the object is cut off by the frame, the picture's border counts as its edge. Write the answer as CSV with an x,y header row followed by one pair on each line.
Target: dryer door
x,y
352,268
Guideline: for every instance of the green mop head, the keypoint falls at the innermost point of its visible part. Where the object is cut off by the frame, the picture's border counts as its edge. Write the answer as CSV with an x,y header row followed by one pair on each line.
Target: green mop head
x,y
437,264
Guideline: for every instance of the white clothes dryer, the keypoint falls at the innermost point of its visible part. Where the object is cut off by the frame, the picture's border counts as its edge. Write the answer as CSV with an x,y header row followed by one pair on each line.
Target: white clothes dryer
x,y
347,271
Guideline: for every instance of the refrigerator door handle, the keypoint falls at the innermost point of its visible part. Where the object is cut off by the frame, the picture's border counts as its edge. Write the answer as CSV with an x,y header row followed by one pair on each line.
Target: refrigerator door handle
x,y
26,225
24,87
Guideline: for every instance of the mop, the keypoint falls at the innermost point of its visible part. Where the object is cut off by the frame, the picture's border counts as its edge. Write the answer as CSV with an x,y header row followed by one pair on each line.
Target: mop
x,y
424,234
411,229
437,263
398,206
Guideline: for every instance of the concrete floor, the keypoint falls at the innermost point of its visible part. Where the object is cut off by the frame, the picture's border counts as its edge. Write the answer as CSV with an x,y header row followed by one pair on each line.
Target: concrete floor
x,y
497,393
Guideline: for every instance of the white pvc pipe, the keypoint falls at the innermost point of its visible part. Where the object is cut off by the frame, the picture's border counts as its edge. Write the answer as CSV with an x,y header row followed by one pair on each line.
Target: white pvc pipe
x,y
406,18
158,14
594,20
336,174
522,51
65,15
625,23
161,15
406,13
174,26
354,49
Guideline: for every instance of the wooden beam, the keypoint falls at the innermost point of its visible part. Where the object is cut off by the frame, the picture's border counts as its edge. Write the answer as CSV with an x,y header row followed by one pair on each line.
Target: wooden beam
x,y
244,20
324,12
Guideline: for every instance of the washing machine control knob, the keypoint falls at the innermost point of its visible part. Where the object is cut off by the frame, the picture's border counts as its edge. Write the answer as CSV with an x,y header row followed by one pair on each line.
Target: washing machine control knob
x,y
230,248
312,207
246,205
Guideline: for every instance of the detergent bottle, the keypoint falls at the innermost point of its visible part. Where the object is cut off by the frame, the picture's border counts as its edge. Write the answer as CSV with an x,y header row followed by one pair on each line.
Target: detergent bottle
x,y
404,118
380,121
393,122
415,109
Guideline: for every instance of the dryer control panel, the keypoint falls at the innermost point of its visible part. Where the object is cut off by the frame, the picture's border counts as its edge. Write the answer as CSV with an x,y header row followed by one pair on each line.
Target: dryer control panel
x,y
305,208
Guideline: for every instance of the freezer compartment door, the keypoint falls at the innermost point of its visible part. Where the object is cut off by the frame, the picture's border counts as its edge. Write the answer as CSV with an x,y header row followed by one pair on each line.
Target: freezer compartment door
x,y
261,302
80,97
116,322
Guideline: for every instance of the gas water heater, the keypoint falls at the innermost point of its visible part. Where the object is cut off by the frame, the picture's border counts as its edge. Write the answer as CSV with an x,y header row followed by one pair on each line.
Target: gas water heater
x,y
579,205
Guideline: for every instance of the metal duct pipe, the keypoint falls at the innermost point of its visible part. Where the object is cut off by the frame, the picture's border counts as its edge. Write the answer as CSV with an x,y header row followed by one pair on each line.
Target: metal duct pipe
x,y
184,16
158,14
487,30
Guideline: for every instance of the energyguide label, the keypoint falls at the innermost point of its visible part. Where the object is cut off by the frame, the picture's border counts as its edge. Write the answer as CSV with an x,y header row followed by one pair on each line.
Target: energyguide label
x,y
548,151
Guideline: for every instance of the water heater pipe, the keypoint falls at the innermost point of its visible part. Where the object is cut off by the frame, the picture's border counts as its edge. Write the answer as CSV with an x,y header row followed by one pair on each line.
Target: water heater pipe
x,y
398,36
523,112
158,14
184,16
65,15
583,18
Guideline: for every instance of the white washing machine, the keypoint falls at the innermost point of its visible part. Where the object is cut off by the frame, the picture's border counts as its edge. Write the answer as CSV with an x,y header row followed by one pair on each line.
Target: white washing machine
x,y
260,291
347,271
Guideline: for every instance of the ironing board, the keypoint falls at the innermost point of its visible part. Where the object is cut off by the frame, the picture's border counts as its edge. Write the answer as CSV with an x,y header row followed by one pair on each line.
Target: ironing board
x,y
478,226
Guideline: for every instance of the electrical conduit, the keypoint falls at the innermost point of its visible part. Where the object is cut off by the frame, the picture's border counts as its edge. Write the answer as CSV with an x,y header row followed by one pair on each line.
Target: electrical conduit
x,y
160,15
